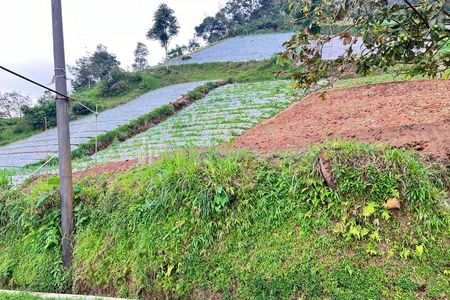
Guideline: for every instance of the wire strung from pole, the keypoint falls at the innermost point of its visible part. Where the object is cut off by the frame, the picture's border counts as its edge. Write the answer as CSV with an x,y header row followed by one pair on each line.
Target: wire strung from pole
x,y
46,88
32,81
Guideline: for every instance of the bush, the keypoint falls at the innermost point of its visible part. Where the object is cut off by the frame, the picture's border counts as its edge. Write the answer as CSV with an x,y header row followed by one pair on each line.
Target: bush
x,y
81,110
119,82
195,95
35,116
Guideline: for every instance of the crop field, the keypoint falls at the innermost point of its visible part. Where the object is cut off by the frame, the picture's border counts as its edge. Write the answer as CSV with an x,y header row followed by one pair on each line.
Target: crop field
x,y
255,47
45,144
225,113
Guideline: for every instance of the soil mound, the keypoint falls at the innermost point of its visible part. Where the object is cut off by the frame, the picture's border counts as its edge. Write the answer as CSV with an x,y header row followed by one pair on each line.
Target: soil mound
x,y
407,114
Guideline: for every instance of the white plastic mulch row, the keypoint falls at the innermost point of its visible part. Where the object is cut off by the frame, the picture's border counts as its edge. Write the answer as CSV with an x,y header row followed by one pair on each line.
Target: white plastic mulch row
x,y
257,47
43,145
222,115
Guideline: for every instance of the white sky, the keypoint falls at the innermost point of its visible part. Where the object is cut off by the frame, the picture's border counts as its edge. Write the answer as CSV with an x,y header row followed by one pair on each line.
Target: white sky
x,y
26,33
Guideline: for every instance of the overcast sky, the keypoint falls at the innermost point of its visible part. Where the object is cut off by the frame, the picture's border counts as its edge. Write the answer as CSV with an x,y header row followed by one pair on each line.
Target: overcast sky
x,y
26,33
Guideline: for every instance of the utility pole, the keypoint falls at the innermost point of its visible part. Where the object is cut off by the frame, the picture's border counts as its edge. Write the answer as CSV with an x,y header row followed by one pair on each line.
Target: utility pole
x,y
62,122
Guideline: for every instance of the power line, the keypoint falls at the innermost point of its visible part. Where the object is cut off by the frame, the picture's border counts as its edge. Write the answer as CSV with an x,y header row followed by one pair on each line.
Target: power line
x,y
46,88
32,81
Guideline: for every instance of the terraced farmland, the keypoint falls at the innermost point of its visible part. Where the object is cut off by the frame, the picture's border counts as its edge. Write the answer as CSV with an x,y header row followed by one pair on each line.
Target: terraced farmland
x,y
43,145
225,113
257,47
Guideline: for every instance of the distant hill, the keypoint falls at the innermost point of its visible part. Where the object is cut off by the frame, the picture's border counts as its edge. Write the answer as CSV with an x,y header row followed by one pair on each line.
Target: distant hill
x,y
242,17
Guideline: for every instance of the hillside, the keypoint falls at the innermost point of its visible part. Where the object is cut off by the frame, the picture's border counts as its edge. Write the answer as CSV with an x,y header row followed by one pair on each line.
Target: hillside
x,y
226,224
144,82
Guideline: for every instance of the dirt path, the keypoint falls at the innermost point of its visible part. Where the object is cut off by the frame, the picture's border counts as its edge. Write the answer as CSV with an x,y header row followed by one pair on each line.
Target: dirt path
x,y
409,114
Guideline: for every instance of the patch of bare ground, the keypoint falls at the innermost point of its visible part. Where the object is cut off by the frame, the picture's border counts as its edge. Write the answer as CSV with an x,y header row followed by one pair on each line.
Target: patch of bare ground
x,y
406,114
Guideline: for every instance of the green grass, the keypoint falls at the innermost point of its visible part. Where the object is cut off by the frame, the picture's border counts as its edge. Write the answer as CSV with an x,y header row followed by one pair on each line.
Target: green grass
x,y
234,225
14,129
22,296
27,296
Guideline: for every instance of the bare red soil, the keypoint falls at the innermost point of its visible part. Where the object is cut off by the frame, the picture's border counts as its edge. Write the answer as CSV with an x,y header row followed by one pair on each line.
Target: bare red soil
x,y
109,168
408,114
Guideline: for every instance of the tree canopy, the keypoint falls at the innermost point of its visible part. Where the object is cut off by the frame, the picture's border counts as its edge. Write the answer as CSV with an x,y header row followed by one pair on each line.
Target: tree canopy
x,y
91,68
243,17
165,26
11,104
414,36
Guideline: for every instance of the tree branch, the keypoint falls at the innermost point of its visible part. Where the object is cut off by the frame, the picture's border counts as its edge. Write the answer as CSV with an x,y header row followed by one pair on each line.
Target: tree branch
x,y
417,13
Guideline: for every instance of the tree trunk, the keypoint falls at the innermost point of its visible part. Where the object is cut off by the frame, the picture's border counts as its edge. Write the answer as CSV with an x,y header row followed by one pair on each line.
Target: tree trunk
x,y
167,58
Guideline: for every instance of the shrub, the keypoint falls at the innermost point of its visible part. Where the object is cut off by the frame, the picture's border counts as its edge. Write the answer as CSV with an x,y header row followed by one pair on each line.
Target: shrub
x,y
4,180
35,116
119,82
81,110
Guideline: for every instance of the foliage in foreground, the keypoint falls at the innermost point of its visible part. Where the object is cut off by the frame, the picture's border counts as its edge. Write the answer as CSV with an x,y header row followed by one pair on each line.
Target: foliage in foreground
x,y
410,34
240,226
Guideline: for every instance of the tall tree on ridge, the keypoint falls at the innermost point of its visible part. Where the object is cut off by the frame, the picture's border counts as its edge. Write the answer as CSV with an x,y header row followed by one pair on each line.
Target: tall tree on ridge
x,y
165,27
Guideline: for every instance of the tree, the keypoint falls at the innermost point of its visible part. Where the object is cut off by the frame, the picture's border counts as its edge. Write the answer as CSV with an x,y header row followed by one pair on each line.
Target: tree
x,y
193,45
243,17
90,69
410,35
165,27
140,57
213,29
11,104
177,51
45,109
103,62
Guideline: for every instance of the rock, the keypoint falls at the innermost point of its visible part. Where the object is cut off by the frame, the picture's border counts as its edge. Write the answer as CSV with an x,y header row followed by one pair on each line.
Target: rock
x,y
392,204
325,169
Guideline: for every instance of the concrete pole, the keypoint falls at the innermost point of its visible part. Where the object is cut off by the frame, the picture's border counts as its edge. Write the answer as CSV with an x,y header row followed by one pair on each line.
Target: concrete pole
x,y
62,119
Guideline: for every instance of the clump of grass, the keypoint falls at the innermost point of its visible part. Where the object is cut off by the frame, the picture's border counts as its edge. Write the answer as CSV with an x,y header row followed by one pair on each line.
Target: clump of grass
x,y
235,225
5,179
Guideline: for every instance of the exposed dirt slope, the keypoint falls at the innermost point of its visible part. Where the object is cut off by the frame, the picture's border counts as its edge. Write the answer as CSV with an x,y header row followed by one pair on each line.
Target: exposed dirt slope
x,y
409,114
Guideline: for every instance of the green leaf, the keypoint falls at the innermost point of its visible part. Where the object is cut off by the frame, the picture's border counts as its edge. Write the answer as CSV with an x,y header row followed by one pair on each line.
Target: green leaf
x,y
53,181
44,197
370,209
315,29
420,249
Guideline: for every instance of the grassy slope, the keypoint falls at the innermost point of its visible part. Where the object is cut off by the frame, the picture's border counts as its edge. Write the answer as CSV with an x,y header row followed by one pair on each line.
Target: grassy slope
x,y
240,226
14,130
24,296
